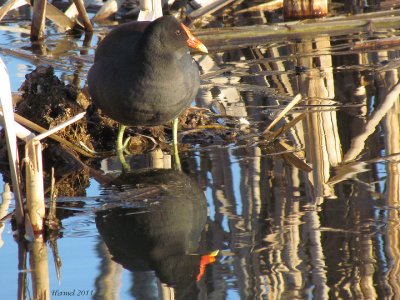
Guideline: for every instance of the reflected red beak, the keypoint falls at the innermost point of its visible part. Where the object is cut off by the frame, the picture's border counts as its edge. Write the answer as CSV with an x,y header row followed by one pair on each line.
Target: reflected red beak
x,y
204,261
194,42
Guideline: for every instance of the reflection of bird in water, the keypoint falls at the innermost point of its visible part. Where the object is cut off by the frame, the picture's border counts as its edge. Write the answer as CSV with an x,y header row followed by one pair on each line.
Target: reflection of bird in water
x,y
162,236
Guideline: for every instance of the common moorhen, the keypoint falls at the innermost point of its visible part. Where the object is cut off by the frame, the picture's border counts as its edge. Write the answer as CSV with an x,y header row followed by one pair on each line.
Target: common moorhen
x,y
143,74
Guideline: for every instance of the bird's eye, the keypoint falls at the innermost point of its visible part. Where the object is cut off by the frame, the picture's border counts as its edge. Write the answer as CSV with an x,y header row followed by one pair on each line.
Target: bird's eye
x,y
178,32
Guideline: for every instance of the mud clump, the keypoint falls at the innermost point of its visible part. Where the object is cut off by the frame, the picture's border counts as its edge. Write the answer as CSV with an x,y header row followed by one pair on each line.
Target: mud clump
x,y
47,101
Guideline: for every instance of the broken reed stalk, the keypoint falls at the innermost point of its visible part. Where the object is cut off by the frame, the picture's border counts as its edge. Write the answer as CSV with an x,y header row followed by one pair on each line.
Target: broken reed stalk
x,y
6,8
34,174
34,184
38,20
281,130
283,113
57,16
80,6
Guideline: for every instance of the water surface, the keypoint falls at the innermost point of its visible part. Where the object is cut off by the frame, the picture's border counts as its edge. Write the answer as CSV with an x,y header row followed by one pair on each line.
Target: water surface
x,y
282,231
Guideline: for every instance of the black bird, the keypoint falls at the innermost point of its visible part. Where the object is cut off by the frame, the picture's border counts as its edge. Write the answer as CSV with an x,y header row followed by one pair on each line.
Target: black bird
x,y
143,74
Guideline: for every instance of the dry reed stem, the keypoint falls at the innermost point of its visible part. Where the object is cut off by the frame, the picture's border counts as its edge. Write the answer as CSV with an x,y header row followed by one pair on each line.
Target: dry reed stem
x,y
38,20
34,184
6,8
109,8
11,140
39,269
80,6
358,142
283,113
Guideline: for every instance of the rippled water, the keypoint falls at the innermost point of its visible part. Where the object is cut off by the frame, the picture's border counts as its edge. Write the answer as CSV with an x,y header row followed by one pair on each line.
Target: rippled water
x,y
282,232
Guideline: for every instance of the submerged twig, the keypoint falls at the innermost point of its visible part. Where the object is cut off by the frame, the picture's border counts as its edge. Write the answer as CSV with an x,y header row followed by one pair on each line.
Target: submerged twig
x,y
56,258
53,196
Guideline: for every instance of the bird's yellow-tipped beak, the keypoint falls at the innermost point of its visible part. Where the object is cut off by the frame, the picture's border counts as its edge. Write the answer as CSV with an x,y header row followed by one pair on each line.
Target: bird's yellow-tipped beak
x,y
194,42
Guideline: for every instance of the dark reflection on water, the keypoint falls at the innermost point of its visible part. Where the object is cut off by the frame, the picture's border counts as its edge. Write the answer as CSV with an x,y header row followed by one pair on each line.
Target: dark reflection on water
x,y
163,235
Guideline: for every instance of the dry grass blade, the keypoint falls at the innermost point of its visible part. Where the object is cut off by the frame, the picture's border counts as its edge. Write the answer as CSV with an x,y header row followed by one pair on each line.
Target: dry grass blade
x,y
283,113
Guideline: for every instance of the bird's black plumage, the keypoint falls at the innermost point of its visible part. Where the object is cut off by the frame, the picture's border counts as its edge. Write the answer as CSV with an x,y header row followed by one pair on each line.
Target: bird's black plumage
x,y
144,77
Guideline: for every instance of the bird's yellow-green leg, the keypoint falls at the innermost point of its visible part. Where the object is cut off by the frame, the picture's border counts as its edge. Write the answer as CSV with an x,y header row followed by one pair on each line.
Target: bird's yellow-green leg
x,y
175,144
120,149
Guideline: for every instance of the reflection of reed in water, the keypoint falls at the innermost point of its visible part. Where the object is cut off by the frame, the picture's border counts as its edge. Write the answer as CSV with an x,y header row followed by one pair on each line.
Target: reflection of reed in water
x,y
161,232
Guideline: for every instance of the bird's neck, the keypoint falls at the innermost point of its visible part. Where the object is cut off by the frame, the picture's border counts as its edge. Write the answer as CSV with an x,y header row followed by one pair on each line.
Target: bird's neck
x,y
154,51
